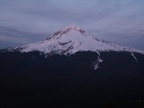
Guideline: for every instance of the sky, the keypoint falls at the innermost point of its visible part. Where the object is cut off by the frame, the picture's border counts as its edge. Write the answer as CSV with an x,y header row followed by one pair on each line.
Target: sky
x,y
29,21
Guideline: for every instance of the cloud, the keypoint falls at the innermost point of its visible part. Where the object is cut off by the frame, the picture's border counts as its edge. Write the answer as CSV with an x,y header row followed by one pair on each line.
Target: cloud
x,y
15,35
32,20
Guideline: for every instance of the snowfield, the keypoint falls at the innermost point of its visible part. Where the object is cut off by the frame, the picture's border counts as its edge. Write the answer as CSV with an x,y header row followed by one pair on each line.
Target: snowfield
x,y
71,40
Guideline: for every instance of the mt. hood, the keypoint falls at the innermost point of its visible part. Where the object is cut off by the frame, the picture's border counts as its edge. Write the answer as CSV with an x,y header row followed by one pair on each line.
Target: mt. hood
x,y
72,39
71,69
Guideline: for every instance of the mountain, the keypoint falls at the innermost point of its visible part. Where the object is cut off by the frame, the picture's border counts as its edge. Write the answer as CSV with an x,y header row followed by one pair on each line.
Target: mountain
x,y
72,69
73,39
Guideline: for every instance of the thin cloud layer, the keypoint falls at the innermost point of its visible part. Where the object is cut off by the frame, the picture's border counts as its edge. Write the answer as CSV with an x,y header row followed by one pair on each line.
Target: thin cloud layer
x,y
26,21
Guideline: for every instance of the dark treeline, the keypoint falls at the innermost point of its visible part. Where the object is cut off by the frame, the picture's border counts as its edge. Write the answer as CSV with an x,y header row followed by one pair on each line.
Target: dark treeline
x,y
58,81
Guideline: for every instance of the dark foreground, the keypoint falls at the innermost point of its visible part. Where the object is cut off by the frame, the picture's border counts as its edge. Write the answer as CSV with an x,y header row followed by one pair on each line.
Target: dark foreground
x,y
31,80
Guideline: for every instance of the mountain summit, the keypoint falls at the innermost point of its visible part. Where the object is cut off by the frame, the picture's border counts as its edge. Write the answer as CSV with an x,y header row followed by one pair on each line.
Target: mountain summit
x,y
72,39
69,29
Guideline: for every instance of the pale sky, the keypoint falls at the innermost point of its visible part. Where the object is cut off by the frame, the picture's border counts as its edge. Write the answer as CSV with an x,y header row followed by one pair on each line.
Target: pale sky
x,y
28,21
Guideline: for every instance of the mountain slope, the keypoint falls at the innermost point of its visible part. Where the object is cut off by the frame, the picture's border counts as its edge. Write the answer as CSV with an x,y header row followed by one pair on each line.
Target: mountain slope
x,y
71,70
71,40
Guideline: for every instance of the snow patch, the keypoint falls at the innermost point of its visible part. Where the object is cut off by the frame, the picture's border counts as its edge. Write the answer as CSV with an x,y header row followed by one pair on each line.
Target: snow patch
x,y
134,56
95,64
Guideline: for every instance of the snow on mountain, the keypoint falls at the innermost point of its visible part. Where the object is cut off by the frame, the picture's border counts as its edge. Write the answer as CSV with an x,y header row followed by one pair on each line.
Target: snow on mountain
x,y
71,40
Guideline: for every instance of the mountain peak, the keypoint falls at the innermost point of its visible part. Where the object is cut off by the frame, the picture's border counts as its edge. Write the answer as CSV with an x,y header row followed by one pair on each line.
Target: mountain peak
x,y
70,28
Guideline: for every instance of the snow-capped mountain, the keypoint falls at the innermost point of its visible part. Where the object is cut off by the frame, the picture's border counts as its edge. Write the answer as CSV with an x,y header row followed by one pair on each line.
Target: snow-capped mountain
x,y
72,39
71,69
